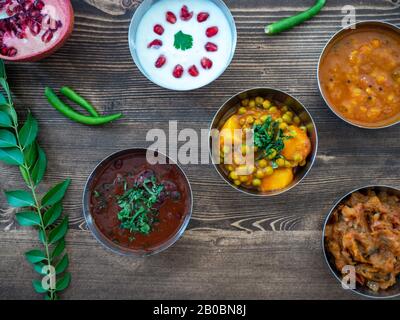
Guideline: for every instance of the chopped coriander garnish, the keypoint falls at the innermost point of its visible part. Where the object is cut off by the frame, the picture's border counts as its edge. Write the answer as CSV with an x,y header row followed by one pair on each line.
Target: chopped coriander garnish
x,y
137,212
269,139
96,194
183,41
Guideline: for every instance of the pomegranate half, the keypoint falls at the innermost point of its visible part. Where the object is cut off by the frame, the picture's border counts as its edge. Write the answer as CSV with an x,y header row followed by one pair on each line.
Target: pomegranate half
x,y
34,29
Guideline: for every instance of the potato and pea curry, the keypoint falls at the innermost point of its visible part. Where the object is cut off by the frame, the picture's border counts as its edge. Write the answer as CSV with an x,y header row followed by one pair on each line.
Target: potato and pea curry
x,y
281,144
360,76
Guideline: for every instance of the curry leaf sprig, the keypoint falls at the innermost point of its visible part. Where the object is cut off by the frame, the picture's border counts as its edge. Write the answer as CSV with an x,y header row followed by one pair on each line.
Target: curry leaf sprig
x,y
137,212
269,139
18,147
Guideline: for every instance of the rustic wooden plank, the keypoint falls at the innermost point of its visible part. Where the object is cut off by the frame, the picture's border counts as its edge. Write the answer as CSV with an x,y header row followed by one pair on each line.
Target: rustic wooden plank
x,y
216,264
236,246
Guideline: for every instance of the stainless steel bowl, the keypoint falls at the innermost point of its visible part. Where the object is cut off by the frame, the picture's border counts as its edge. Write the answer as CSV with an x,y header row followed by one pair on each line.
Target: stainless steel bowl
x,y
230,107
361,290
340,34
103,239
141,11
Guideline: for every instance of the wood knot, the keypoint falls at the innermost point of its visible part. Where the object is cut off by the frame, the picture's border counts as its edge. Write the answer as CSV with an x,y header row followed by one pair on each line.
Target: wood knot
x,y
129,4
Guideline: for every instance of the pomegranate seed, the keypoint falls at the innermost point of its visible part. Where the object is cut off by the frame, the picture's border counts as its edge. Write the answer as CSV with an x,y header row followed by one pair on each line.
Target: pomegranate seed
x,y
158,29
202,16
47,36
178,71
4,51
12,52
161,61
206,63
53,24
193,71
35,28
171,17
46,19
155,43
211,32
185,14
39,4
211,47
35,13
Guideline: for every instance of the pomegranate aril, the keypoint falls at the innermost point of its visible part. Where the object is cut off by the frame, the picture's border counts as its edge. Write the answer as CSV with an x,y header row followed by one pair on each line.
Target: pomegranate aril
x,y
53,24
206,63
12,52
35,28
202,16
160,61
211,47
47,36
178,71
211,32
185,14
159,29
155,44
171,17
193,71
39,4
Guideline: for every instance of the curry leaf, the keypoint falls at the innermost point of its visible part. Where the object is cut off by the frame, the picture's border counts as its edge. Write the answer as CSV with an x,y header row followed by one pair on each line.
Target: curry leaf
x,y
58,249
5,120
7,139
29,131
59,232
56,193
12,156
35,256
62,265
37,285
38,267
25,174
42,237
30,154
2,70
40,167
63,283
28,218
52,214
19,198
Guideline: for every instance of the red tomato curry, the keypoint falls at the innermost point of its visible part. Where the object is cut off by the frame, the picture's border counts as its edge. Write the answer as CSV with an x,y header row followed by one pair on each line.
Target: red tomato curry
x,y
124,220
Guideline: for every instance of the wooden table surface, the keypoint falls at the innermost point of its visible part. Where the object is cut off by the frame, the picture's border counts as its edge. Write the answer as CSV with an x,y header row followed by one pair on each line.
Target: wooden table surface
x,y
236,246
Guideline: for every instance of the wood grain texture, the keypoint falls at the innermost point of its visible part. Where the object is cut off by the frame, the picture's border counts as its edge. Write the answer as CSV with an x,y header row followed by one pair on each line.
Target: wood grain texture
x,y
236,246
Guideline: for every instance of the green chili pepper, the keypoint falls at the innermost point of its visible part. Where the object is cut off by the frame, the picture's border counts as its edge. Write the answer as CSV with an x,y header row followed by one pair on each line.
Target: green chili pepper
x,y
76,116
73,96
291,22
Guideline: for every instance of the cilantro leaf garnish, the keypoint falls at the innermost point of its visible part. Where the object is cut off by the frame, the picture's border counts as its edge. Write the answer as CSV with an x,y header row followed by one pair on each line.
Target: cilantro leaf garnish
x,y
269,138
183,41
137,212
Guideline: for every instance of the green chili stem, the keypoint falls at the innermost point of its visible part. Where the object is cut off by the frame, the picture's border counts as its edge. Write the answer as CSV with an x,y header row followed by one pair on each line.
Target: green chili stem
x,y
76,116
75,97
291,22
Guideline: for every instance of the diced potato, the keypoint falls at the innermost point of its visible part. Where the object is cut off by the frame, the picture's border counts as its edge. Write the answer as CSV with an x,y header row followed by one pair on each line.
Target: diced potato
x,y
280,179
228,134
300,144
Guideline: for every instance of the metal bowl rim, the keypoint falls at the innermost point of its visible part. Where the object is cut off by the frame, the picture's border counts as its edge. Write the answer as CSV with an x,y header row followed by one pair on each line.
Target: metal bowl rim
x,y
129,252
231,22
330,41
312,161
333,271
